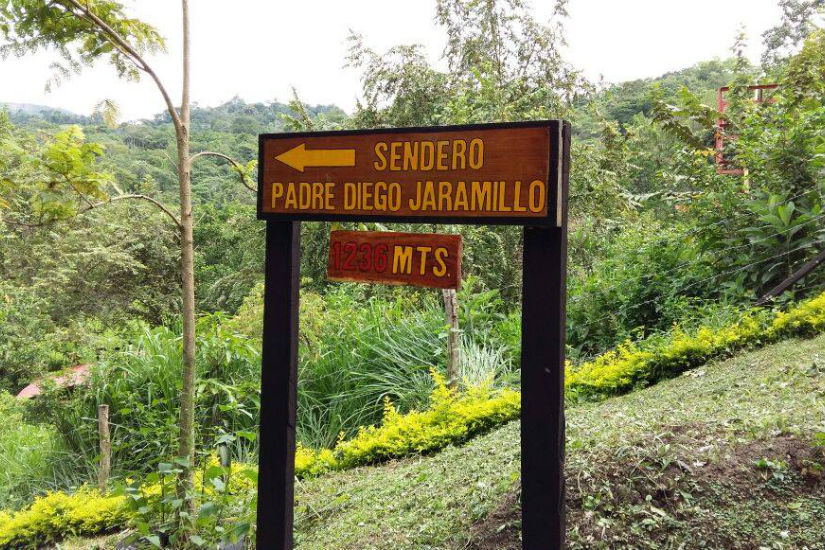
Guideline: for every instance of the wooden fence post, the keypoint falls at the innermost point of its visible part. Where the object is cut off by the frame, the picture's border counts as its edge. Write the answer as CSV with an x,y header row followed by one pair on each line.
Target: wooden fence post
x,y
105,446
451,313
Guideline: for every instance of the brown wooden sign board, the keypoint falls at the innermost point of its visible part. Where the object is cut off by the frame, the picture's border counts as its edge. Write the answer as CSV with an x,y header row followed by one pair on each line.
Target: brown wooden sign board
x,y
415,259
469,185
492,173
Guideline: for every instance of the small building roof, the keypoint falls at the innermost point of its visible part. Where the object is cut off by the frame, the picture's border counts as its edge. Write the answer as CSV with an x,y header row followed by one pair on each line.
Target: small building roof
x,y
67,378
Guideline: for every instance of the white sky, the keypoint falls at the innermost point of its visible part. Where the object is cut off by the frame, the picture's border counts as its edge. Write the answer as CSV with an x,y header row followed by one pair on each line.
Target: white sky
x,y
258,49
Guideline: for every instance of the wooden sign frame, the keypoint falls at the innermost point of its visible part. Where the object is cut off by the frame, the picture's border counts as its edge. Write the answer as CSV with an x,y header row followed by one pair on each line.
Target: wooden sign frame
x,y
542,354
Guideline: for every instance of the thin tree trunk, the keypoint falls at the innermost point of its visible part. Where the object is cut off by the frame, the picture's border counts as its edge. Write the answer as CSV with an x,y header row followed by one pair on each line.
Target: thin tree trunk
x,y
187,399
451,313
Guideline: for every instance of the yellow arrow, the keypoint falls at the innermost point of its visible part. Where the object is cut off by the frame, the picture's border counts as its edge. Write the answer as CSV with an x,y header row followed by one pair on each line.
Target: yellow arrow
x,y
299,158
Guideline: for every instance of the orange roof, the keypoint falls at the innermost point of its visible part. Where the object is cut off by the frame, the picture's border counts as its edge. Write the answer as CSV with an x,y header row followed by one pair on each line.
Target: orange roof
x,y
67,378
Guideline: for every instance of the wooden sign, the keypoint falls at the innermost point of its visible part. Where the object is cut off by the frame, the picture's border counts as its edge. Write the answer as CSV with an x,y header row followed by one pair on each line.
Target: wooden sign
x,y
486,174
417,259
492,173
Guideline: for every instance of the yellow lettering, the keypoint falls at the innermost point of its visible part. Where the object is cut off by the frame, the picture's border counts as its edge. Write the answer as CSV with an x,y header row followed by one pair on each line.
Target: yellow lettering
x,y
395,156
536,196
428,153
459,154
402,259
442,155
329,195
476,153
395,197
423,250
441,268
428,201
481,195
460,202
350,196
517,207
410,155
445,196
290,201
277,193
502,199
380,150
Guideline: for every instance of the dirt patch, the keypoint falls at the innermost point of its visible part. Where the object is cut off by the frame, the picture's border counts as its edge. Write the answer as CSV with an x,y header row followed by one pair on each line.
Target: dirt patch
x,y
501,529
784,453
636,501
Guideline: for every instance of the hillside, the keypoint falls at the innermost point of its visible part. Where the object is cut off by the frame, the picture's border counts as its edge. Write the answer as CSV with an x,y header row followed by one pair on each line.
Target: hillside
x,y
722,457
729,455
31,108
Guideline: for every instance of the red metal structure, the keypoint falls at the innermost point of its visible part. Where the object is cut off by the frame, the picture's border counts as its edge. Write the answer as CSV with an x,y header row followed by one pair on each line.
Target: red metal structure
x,y
726,166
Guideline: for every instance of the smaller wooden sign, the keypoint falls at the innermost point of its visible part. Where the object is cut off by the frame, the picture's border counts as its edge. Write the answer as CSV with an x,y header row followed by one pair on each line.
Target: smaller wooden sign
x,y
416,259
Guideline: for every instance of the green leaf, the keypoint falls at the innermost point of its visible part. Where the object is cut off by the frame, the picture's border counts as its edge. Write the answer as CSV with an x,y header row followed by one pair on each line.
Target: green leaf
x,y
218,484
208,509
213,472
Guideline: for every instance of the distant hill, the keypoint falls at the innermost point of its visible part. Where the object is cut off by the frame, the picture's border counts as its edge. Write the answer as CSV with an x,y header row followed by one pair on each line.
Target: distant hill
x,y
622,101
234,116
33,109
24,112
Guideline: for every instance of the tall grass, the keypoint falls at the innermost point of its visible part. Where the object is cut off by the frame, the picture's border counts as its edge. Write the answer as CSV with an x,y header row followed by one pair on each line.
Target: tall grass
x,y
141,384
357,352
486,363
380,349
33,458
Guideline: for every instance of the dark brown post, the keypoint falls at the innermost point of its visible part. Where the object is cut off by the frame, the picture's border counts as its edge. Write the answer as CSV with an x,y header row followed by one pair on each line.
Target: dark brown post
x,y
279,377
105,447
542,371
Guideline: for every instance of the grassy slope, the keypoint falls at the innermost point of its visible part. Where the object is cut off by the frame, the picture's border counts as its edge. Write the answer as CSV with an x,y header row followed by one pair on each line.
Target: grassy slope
x,y
671,466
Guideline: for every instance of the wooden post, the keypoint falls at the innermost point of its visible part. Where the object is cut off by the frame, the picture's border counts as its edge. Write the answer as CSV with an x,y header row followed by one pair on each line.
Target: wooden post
x,y
542,373
279,378
453,344
809,266
105,447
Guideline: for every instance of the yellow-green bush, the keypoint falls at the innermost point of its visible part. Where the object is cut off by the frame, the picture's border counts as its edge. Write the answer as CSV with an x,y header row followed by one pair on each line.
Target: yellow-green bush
x,y
88,512
452,418
633,365
55,515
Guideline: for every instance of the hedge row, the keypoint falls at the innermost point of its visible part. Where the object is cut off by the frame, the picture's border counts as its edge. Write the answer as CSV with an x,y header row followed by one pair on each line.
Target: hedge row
x,y
56,515
451,419
634,365
87,512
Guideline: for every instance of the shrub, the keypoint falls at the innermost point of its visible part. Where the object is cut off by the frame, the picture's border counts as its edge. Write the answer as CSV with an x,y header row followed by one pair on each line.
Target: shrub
x,y
644,279
451,419
642,363
87,512
53,516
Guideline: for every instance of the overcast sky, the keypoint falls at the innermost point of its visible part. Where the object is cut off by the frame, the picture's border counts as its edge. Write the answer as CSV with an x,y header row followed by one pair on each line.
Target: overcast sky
x,y
259,49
